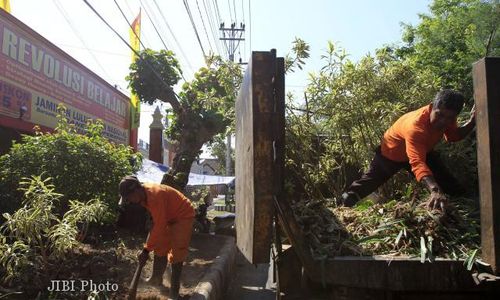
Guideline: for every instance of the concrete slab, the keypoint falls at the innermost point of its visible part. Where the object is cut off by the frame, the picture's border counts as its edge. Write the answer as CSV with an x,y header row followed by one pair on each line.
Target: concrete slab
x,y
251,282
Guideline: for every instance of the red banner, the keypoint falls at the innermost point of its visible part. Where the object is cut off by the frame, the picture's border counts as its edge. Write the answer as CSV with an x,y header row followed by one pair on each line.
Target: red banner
x,y
36,76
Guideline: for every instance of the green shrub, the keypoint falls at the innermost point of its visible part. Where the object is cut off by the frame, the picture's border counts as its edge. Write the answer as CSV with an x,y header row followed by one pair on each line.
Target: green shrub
x,y
34,238
83,166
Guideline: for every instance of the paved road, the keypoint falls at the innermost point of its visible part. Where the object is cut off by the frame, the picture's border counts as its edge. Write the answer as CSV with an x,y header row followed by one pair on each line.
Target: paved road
x,y
251,282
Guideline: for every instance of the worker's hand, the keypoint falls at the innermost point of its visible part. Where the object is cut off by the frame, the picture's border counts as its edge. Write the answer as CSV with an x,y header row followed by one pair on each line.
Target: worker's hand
x,y
143,256
438,200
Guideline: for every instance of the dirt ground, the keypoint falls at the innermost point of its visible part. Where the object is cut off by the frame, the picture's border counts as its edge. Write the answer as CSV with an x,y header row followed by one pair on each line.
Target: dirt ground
x,y
203,250
111,258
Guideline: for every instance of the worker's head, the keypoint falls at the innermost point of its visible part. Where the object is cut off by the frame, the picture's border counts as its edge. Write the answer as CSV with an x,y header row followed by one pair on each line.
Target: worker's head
x,y
445,108
131,191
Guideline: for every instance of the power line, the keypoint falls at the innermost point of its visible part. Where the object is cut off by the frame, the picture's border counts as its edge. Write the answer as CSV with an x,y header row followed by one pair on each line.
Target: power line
x,y
95,50
145,38
79,36
243,9
131,48
129,9
173,35
204,27
154,26
216,5
211,23
186,5
234,7
250,25
153,23
244,21
130,25
157,32
229,7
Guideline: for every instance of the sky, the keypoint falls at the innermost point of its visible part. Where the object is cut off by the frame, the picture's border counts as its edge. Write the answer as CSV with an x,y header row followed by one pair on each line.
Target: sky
x,y
358,26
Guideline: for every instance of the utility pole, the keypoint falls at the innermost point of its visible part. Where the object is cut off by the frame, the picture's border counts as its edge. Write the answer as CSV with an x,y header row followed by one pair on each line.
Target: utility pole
x,y
232,36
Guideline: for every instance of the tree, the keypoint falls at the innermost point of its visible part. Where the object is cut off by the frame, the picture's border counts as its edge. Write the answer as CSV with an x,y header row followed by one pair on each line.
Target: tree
x,y
203,108
455,34
218,149
296,59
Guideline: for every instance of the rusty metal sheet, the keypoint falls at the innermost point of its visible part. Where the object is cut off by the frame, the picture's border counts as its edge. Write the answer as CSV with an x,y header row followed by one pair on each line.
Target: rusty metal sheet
x,y
256,121
400,274
486,77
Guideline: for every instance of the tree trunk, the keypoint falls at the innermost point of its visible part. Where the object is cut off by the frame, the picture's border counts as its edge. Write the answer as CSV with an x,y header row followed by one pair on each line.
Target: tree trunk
x,y
190,144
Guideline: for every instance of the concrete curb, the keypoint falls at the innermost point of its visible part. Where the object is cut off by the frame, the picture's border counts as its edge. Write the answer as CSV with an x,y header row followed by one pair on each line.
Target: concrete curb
x,y
215,282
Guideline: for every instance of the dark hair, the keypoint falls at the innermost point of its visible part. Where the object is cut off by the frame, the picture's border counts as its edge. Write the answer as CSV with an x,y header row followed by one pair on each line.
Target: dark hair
x,y
449,99
128,184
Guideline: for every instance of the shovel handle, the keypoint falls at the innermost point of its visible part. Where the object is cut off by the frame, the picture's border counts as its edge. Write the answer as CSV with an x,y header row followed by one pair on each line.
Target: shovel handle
x,y
135,281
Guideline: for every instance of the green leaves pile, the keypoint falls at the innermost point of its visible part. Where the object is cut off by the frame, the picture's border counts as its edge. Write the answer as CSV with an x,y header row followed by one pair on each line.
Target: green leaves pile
x,y
397,228
409,228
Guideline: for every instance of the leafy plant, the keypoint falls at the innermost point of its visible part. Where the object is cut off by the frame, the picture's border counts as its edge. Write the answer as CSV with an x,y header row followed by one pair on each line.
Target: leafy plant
x,y
35,238
82,166
348,106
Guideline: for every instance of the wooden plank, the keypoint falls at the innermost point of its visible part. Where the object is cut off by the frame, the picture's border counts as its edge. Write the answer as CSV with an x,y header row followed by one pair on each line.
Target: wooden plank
x,y
256,119
486,76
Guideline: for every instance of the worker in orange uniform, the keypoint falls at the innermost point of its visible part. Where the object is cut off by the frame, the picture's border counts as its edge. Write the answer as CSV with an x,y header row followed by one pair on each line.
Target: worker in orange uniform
x,y
173,216
408,144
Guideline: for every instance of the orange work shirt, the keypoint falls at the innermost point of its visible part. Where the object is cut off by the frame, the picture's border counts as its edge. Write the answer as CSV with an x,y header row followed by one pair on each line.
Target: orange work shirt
x,y
166,206
411,137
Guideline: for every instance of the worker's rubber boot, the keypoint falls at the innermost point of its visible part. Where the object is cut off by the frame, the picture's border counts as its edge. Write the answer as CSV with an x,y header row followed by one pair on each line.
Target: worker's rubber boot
x,y
175,281
348,199
159,266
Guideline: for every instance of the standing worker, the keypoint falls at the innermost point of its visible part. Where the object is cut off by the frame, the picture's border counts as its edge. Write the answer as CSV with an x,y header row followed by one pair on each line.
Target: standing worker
x,y
173,216
408,144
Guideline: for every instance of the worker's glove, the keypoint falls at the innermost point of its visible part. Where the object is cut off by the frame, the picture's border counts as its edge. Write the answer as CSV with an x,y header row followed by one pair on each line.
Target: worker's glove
x,y
143,256
437,200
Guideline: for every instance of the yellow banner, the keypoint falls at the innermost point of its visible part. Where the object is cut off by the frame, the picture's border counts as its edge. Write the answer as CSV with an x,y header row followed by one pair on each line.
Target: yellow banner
x,y
135,107
5,5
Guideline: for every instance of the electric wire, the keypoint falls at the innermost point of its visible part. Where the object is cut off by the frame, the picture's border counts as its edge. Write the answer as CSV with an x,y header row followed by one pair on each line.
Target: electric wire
x,y
188,10
130,47
216,5
79,36
230,13
244,21
154,26
234,7
173,35
129,24
250,25
157,32
208,11
204,27
95,50
145,38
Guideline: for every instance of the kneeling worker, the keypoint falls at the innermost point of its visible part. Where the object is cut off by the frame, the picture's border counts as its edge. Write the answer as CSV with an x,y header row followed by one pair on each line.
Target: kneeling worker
x,y
173,216
408,144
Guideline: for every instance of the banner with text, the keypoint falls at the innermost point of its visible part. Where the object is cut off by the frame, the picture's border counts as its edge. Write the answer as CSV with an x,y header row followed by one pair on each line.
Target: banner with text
x,y
36,76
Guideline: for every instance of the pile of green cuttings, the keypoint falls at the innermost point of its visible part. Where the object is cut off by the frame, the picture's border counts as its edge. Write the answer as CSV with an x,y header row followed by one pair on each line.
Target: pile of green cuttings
x,y
395,228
